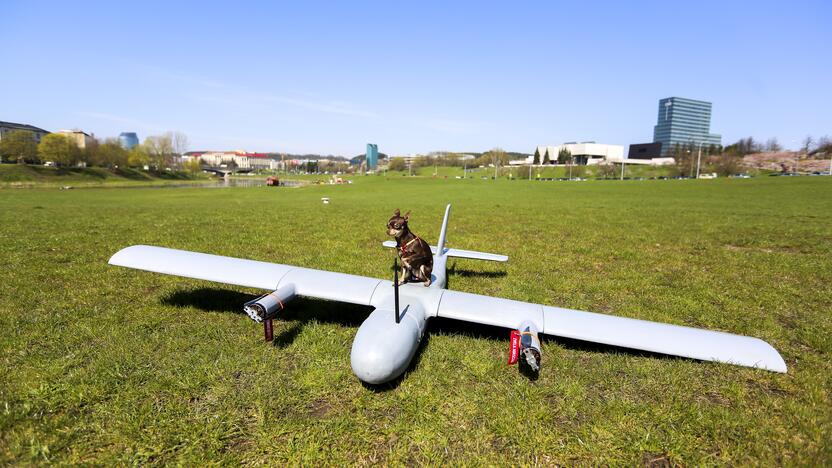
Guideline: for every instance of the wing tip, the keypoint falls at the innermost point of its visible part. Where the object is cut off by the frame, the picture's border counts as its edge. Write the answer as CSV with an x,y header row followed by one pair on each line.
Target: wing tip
x,y
772,361
119,258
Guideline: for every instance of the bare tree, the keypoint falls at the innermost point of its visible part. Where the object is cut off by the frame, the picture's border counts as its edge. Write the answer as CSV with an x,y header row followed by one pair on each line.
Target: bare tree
x,y
729,164
498,156
179,142
159,149
824,145
773,146
807,144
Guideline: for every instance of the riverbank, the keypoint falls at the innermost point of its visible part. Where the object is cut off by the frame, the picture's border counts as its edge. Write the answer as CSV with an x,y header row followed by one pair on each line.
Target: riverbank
x,y
27,175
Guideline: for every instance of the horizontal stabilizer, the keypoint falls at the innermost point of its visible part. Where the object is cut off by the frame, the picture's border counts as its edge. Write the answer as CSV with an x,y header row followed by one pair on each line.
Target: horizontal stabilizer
x,y
459,253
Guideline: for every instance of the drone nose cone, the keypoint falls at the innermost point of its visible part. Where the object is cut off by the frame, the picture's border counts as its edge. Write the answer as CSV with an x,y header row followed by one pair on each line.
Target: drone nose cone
x,y
382,348
372,365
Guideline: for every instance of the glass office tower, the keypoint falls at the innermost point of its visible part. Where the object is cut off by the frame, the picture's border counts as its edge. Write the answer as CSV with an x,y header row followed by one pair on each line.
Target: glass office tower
x,y
128,140
372,156
684,122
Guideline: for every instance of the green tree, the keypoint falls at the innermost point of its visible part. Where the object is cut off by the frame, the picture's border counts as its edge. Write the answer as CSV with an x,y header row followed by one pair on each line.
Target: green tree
x,y
536,157
564,155
19,146
192,165
396,164
138,157
546,157
59,149
110,154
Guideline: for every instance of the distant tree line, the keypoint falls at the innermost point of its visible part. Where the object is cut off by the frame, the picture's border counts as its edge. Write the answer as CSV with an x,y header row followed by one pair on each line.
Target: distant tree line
x,y
157,151
749,145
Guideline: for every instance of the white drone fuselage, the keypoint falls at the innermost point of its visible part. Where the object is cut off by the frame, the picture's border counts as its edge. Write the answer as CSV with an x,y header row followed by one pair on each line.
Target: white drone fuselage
x,y
382,349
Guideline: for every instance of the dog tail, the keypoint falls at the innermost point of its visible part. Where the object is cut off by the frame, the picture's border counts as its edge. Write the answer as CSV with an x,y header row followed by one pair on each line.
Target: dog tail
x,y
440,248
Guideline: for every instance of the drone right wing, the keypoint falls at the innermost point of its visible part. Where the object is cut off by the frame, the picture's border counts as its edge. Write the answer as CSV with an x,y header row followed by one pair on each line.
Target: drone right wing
x,y
625,332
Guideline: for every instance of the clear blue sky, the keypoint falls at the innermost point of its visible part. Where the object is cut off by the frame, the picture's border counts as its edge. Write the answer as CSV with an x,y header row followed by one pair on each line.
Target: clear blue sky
x,y
330,77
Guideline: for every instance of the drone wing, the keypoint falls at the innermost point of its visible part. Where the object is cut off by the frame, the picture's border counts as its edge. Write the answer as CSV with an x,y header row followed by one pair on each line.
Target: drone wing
x,y
625,332
250,273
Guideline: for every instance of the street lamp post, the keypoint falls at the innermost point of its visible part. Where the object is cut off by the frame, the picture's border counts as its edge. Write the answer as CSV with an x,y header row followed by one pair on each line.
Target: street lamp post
x,y
698,160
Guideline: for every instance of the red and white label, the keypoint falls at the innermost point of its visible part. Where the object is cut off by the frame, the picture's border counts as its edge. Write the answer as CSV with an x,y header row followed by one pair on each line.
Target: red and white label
x,y
514,350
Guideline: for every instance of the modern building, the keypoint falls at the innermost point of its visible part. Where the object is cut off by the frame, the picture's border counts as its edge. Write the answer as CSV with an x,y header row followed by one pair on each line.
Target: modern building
x,y
7,127
263,161
372,156
81,139
682,122
645,151
585,153
128,140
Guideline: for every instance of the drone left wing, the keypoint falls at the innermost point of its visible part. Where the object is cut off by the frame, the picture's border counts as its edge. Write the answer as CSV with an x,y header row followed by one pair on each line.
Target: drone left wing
x,y
250,273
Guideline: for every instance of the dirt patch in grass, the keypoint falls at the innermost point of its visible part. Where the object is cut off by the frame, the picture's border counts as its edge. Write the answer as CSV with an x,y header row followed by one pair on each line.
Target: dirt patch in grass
x,y
769,388
716,398
658,460
319,408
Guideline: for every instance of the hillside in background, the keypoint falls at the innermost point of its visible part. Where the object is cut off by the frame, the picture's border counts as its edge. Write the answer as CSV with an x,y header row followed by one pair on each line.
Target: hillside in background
x,y
26,174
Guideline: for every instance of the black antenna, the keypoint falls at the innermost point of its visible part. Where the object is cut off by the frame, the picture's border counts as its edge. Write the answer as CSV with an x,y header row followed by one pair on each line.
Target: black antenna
x,y
396,285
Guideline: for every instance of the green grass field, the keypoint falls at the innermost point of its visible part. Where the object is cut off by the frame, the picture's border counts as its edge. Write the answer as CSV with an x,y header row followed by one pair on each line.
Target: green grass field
x,y
104,365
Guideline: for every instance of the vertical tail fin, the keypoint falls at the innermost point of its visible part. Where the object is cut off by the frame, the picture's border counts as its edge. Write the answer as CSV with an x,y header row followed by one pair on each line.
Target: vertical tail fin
x,y
440,248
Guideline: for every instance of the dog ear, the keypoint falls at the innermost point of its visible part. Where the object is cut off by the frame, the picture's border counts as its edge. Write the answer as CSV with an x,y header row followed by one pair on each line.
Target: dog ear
x,y
407,215
397,213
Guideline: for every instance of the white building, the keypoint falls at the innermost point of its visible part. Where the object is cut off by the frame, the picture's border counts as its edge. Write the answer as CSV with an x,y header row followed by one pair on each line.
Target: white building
x,y
587,152
81,139
240,159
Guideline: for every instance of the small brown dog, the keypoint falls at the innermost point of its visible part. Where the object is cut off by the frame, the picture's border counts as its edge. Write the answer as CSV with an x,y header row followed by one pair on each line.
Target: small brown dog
x,y
415,254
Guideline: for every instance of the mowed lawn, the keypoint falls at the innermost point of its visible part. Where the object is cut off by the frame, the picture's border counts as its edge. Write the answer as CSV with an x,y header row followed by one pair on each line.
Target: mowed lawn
x,y
105,365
